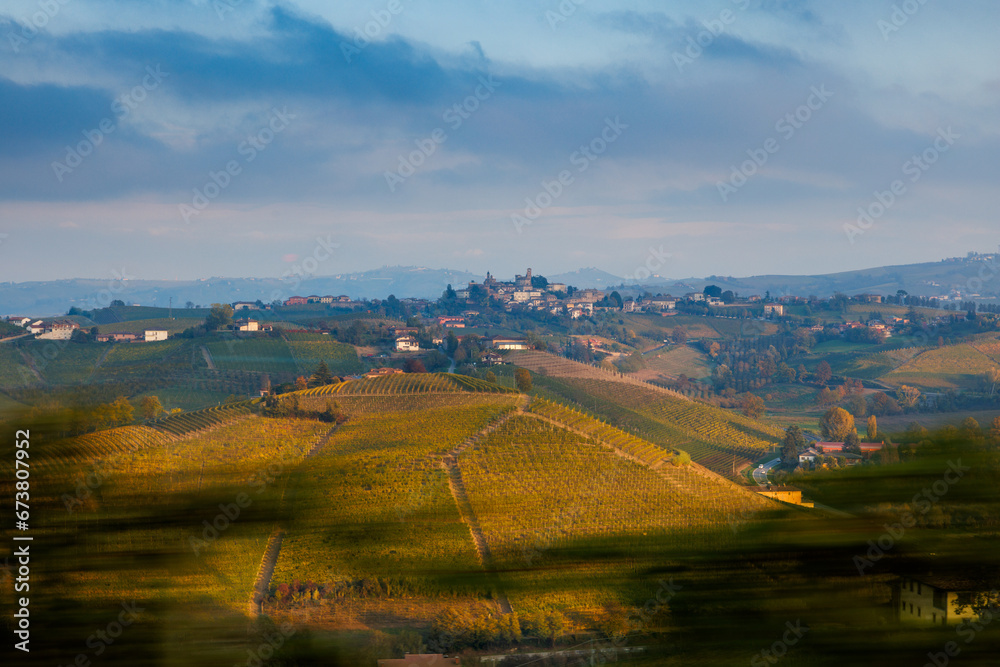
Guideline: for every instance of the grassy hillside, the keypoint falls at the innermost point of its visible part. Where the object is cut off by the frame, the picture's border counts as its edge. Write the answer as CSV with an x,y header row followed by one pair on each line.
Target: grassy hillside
x,y
949,367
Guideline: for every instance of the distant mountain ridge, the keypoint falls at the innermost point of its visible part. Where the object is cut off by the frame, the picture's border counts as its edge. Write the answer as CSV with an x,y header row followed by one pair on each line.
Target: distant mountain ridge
x,y
972,275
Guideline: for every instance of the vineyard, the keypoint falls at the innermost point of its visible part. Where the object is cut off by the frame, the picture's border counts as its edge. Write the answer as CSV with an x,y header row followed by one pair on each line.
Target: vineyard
x,y
553,366
409,383
374,505
190,422
715,438
264,355
545,497
309,349
948,367
639,449
358,404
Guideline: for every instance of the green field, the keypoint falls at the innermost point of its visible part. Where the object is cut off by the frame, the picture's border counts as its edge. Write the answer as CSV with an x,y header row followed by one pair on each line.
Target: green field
x,y
950,367
137,326
264,355
310,349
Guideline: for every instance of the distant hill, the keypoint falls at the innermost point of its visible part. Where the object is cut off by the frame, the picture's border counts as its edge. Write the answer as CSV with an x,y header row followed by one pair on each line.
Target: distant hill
x,y
56,297
585,278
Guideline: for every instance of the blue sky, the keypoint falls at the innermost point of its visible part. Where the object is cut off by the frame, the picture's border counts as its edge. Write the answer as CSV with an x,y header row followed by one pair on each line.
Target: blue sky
x,y
224,137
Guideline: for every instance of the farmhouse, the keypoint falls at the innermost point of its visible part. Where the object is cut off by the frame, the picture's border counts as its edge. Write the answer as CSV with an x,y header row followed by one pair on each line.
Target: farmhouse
x,y
774,309
296,301
788,494
407,344
508,343
246,325
934,600
452,322
118,336
19,321
245,305
154,335
58,330
492,359
382,372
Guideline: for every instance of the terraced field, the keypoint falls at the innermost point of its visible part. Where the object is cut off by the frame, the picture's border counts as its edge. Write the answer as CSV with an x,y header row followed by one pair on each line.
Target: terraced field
x,y
560,367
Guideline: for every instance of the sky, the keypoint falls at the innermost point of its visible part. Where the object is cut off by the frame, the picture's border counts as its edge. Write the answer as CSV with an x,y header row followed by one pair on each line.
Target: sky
x,y
189,139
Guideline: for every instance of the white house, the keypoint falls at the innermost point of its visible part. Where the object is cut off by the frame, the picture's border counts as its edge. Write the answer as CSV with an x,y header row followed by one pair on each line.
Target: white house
x,y
809,455
509,344
247,325
407,344
245,305
155,335
774,308
19,321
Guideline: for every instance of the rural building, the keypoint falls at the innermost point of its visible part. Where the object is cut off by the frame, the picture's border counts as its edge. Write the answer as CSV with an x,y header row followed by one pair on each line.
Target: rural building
x,y
774,309
296,301
837,447
419,660
452,322
934,600
247,325
788,494
118,336
19,321
492,359
407,344
153,335
58,330
245,305
382,372
809,455
508,343
396,332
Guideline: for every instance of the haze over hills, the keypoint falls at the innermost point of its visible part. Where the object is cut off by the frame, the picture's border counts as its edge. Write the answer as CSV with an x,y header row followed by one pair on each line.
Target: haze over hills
x,y
975,274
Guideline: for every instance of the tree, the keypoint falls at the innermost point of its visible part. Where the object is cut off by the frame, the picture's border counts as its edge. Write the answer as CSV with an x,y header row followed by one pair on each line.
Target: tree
x,y
908,396
793,443
857,406
713,290
836,424
823,372
679,335
616,299
150,407
852,444
970,430
220,316
882,404
322,376
752,406
991,379
539,282
785,373
117,303
490,376
993,435
728,296
301,383
872,430
415,366
713,349
523,379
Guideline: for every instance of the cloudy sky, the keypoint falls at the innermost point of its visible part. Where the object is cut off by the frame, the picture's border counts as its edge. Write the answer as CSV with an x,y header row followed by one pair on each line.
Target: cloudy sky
x,y
187,139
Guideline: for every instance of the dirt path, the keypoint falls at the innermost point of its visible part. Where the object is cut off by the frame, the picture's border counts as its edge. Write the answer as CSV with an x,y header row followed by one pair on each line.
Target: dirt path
x,y
31,365
270,559
264,572
208,358
461,496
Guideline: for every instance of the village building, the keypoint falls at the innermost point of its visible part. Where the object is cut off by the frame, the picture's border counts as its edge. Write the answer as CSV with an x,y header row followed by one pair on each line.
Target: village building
x,y
407,344
155,335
